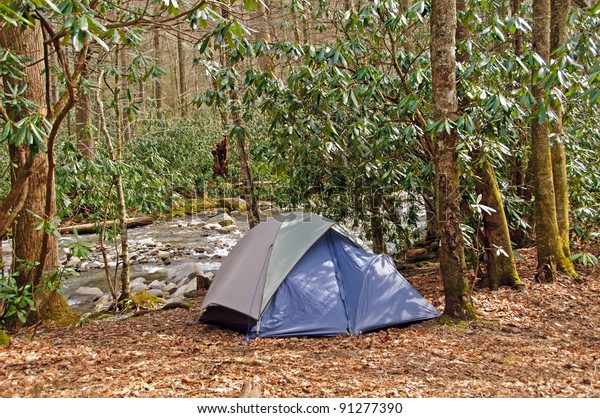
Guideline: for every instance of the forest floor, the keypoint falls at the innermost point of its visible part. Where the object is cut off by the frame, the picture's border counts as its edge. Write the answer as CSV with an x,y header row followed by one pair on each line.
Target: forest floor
x,y
540,342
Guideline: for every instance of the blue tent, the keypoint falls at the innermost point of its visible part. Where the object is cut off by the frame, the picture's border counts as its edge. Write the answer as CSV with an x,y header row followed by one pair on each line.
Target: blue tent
x,y
305,275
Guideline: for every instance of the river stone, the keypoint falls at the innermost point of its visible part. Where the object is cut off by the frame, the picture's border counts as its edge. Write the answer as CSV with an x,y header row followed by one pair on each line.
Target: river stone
x,y
156,285
138,280
233,203
183,273
163,255
96,265
73,261
137,287
169,288
174,299
185,288
222,219
212,227
85,294
229,228
156,292
103,303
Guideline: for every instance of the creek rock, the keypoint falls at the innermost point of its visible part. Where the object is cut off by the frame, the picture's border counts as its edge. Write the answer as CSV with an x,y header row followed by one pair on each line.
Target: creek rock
x,y
137,287
163,255
222,219
138,280
212,227
96,265
184,273
73,261
169,288
103,303
233,203
156,292
85,294
156,285
230,228
184,289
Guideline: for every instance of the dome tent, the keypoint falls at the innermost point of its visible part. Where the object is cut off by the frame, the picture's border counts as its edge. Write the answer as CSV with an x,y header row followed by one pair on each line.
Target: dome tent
x,y
305,276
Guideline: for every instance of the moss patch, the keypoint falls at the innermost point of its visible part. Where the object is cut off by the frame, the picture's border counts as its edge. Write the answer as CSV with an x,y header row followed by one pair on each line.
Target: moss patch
x,y
141,300
4,339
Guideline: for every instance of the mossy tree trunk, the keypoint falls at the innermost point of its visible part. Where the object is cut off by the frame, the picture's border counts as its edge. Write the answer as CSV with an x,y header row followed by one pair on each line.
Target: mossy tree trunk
x,y
549,248
28,240
445,107
501,267
558,37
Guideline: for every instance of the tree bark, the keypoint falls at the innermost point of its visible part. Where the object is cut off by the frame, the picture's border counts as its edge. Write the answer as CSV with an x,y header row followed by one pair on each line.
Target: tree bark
x,y
445,106
245,171
83,121
558,38
27,239
549,249
501,267
182,80
157,85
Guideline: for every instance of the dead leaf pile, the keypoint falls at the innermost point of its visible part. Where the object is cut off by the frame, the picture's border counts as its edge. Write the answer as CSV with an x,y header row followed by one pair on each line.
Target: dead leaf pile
x,y
541,342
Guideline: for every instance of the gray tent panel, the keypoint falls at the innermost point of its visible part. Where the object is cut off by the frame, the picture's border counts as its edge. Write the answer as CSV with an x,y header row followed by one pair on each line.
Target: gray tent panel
x,y
244,270
298,232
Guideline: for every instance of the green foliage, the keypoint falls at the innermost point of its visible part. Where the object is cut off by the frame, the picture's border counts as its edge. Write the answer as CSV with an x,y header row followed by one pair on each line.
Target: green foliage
x,y
15,301
585,259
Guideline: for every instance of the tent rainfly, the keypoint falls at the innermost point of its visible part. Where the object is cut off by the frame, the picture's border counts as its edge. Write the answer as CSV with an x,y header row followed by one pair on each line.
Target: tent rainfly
x,y
305,276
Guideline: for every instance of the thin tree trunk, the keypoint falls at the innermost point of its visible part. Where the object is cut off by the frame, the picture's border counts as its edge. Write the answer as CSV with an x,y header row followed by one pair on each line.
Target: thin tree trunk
x,y
501,267
377,230
245,171
125,123
158,99
558,37
28,240
443,67
549,249
115,155
182,80
83,121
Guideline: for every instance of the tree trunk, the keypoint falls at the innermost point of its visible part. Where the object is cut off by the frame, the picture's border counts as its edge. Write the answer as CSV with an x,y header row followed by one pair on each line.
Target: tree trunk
x,y
549,249
245,171
27,239
182,81
83,121
443,67
125,123
377,232
558,37
501,267
157,85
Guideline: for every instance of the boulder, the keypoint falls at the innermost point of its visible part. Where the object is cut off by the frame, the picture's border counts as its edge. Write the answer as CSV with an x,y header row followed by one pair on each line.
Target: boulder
x,y
96,265
138,287
85,294
163,255
73,261
156,292
184,289
156,285
222,219
138,280
230,228
212,227
233,203
184,273
169,288
103,303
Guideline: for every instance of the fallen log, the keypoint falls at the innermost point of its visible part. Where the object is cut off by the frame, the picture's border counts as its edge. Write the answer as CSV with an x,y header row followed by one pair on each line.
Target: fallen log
x,y
91,228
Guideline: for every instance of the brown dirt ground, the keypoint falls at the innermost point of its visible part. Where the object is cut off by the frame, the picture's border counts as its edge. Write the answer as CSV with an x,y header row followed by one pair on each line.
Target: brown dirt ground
x,y
542,342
